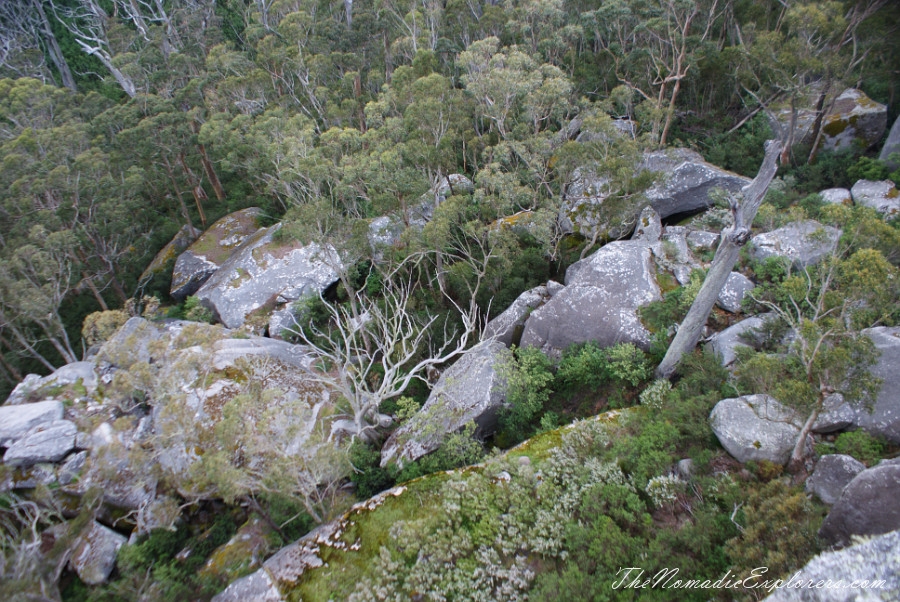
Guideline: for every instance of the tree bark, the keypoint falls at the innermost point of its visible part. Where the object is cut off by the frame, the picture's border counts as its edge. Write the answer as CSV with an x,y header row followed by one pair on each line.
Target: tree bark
x,y
726,256
53,48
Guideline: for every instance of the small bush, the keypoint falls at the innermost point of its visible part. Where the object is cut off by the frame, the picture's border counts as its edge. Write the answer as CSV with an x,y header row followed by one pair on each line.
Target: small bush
x,y
101,325
196,312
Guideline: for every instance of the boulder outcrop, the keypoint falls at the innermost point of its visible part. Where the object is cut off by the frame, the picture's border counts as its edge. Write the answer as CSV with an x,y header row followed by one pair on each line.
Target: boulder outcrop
x,y
599,302
471,390
884,418
684,182
755,427
733,292
832,473
867,506
803,243
882,196
266,272
211,249
876,560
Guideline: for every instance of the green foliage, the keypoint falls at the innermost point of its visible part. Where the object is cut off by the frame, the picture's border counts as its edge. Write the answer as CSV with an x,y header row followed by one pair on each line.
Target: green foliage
x,y
195,310
368,476
779,526
457,450
867,168
861,445
742,151
528,389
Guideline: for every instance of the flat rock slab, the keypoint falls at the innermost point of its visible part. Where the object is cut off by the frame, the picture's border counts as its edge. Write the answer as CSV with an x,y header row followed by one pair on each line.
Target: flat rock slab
x,y
881,196
755,427
803,243
471,390
875,560
263,271
867,506
17,420
832,473
599,302
211,250
46,442
94,553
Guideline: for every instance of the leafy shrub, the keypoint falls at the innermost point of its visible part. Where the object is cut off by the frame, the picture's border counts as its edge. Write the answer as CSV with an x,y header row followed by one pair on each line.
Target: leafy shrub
x,y
861,445
528,389
194,310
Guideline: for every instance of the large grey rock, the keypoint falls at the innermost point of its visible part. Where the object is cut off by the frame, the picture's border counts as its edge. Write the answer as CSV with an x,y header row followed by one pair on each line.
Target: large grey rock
x,y
854,118
209,252
891,145
46,442
94,553
876,560
600,301
836,196
471,390
832,473
803,243
884,419
836,415
881,196
733,292
755,427
867,506
702,240
746,333
674,253
263,271
17,420
507,327
684,182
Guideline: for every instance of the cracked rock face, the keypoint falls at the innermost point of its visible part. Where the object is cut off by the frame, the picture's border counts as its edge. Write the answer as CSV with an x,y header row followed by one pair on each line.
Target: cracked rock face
x,y
755,427
263,271
211,249
507,327
599,302
46,442
472,389
94,554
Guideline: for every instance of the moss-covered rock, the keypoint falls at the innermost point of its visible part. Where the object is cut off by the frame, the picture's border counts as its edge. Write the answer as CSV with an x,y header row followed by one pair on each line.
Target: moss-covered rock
x,y
211,249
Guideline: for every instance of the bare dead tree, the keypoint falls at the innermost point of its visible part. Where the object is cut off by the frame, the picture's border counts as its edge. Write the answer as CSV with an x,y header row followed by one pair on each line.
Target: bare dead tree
x,y
375,357
733,238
